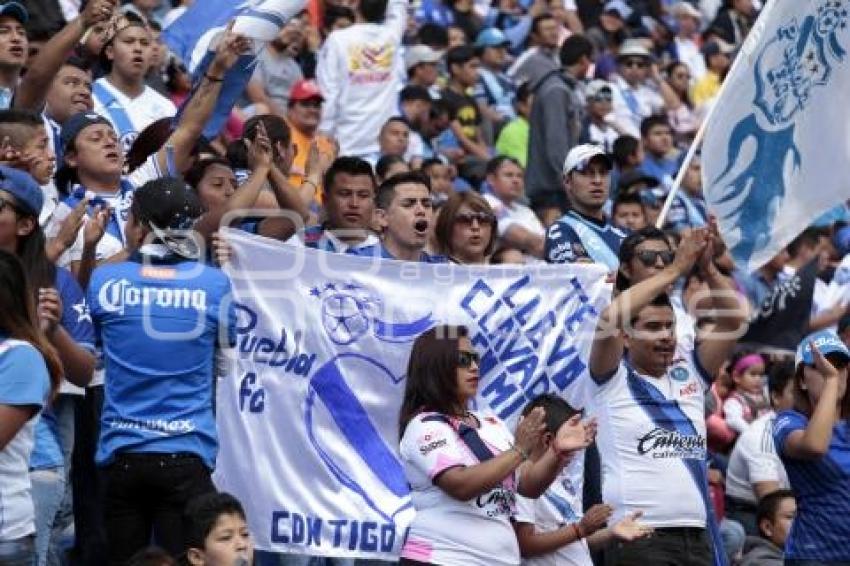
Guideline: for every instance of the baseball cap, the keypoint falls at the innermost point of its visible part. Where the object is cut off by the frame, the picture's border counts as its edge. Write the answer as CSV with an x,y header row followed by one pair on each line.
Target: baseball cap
x,y
685,9
841,240
632,178
24,188
633,48
76,124
491,37
169,208
618,7
15,10
418,54
596,86
580,157
826,341
305,90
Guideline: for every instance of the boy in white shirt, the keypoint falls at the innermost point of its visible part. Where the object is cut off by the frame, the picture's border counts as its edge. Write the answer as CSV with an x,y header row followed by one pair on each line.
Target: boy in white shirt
x,y
552,530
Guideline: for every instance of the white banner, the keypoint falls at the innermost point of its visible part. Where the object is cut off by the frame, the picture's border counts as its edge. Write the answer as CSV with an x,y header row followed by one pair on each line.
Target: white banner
x,y
781,128
308,417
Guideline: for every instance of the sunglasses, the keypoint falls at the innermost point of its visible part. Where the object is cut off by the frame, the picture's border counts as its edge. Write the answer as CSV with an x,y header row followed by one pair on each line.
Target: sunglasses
x,y
311,103
603,97
650,258
469,217
4,202
635,63
466,358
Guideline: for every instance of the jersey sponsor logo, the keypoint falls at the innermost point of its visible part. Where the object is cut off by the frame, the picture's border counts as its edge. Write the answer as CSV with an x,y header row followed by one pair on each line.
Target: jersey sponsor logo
x,y
497,502
433,445
690,389
663,443
151,272
562,252
160,427
118,294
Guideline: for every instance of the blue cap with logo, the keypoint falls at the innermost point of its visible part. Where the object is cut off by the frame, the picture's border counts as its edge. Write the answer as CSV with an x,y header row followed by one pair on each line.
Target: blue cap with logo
x,y
491,37
14,10
24,188
826,341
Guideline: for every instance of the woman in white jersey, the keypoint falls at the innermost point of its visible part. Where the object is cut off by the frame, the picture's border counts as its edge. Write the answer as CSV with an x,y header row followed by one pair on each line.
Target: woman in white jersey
x,y
29,371
465,468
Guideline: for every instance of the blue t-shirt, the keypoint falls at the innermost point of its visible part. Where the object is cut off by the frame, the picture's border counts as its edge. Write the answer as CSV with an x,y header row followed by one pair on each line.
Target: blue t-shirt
x,y
158,326
663,169
77,323
821,529
599,241
380,251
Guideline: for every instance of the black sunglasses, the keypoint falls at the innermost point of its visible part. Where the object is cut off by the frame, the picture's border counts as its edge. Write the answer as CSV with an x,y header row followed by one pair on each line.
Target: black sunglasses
x,y
469,217
635,63
603,97
465,359
650,258
4,202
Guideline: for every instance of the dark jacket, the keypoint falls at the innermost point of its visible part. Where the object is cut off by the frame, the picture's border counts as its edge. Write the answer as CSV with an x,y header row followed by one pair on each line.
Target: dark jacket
x,y
556,118
761,552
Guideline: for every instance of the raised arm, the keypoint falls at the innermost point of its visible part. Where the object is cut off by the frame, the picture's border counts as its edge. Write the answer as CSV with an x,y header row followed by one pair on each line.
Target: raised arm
x,y
538,475
607,349
199,109
31,93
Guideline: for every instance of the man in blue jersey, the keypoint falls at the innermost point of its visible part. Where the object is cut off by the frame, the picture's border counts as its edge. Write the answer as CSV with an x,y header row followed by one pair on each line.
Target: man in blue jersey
x,y
349,202
405,214
160,317
649,399
584,233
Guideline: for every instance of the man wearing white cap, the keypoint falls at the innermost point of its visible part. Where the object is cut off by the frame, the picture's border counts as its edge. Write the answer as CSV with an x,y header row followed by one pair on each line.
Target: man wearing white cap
x,y
687,40
635,98
420,62
584,233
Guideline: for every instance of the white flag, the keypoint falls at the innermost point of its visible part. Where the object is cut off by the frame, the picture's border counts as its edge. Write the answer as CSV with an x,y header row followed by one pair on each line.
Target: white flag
x,y
778,140
308,417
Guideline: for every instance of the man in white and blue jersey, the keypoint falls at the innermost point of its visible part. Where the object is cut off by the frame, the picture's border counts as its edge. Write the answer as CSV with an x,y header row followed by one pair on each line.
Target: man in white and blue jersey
x,y
584,233
160,318
649,402
813,442
122,95
404,213
349,202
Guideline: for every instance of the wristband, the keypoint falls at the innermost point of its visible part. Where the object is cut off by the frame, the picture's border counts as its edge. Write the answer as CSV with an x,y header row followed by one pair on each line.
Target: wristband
x,y
523,454
213,79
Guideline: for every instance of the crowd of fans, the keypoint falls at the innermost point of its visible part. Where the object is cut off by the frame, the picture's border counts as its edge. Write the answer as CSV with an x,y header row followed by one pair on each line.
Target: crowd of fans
x,y
467,131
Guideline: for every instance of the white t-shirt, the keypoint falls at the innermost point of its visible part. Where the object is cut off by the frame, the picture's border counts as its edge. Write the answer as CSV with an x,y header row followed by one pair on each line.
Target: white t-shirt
x,y
632,105
129,116
560,505
447,531
754,460
644,463
514,214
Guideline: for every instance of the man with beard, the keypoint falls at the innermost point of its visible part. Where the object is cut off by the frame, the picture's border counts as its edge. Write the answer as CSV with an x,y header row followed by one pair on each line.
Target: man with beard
x,y
650,405
349,202
405,214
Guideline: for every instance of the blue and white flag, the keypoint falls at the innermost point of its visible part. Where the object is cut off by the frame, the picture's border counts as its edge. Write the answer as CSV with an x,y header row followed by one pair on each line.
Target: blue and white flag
x,y
308,411
777,143
192,38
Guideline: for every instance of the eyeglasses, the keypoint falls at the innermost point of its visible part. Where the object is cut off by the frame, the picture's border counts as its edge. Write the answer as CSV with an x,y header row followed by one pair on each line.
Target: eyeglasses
x,y
4,202
311,103
650,258
635,63
465,359
603,97
468,218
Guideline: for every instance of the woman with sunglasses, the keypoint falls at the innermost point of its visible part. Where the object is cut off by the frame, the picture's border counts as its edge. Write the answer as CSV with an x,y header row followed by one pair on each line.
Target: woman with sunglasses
x,y
465,231
63,317
465,468
30,370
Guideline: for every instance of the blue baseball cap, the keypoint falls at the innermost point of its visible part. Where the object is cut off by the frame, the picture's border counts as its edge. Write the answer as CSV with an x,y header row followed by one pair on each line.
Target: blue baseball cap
x,y
491,37
15,10
826,341
76,124
24,188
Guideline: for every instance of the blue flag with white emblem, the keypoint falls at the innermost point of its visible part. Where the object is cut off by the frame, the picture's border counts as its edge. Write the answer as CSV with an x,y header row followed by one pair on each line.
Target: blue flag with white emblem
x,y
776,144
192,38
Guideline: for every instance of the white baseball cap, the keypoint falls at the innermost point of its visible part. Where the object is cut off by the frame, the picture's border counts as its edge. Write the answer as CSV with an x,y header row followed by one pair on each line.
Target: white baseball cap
x,y
580,157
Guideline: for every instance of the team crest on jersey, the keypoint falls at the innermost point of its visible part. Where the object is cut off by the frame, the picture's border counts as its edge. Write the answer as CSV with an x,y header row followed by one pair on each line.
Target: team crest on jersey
x,y
679,374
